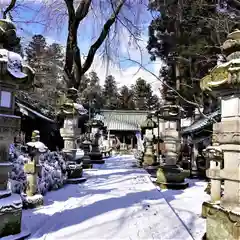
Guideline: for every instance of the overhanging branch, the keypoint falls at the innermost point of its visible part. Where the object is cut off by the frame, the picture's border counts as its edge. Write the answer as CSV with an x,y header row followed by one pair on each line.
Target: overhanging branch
x,y
9,8
101,38
82,10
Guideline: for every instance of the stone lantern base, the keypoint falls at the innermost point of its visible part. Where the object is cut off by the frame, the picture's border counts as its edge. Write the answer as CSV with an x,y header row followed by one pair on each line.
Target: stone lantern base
x,y
87,163
172,177
75,174
221,223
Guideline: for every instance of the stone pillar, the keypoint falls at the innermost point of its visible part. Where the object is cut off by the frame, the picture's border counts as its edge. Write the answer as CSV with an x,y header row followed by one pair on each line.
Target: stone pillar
x,y
10,204
172,143
11,78
33,198
227,133
32,169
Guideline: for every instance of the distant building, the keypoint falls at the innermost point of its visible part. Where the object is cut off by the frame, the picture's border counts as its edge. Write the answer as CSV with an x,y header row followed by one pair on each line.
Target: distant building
x,y
125,123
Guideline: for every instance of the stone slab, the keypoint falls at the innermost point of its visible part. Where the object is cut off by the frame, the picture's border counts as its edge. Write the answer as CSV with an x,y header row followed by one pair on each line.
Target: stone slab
x,y
10,215
175,186
76,180
100,161
5,193
87,165
20,236
33,201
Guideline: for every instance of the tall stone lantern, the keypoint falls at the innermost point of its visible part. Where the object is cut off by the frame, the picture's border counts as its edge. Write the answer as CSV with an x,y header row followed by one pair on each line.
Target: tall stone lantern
x,y
149,160
13,74
223,212
71,111
169,175
95,154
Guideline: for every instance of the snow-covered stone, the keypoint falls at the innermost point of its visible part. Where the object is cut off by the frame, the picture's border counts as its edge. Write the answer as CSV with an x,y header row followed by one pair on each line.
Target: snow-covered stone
x,y
52,176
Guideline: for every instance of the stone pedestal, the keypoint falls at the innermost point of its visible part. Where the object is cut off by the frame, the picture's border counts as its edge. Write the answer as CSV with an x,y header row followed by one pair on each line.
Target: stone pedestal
x,y
69,134
170,175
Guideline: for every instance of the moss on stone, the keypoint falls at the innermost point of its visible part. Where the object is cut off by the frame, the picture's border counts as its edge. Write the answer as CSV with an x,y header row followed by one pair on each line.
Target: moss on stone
x,y
10,222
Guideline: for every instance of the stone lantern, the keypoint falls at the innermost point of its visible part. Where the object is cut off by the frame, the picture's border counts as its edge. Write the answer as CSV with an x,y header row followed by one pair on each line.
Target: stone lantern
x,y
169,175
223,212
71,110
32,169
95,154
13,74
149,160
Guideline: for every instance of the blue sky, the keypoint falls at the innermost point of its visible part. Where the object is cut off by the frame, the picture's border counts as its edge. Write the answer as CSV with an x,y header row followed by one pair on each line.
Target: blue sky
x,y
125,71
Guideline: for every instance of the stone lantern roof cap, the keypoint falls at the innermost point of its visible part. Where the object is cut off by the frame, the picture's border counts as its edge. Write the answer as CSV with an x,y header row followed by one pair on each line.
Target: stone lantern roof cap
x,y
12,67
224,79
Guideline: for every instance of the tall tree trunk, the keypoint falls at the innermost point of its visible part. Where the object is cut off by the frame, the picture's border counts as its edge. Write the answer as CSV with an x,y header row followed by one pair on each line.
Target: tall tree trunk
x,y
74,69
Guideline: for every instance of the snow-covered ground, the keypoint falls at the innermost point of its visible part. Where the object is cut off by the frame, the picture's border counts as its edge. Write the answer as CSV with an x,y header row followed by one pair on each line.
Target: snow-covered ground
x,y
118,201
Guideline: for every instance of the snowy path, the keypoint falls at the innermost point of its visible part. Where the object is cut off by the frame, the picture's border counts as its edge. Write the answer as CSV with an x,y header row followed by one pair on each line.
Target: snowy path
x,y
117,202
188,206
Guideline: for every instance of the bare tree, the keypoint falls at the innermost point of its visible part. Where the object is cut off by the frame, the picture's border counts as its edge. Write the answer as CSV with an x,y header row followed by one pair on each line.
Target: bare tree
x,y
74,68
80,15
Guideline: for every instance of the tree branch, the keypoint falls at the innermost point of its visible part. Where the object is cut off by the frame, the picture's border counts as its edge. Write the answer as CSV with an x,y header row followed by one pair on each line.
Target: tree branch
x,y
82,10
71,41
101,38
9,8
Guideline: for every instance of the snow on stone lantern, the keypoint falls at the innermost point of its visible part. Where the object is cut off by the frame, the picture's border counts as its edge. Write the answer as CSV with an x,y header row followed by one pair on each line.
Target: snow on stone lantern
x,y
95,154
71,110
149,160
13,74
169,175
223,217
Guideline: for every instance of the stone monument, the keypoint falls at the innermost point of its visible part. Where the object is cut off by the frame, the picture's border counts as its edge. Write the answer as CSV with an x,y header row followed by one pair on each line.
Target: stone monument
x,y
223,212
71,110
13,74
169,175
149,158
95,154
